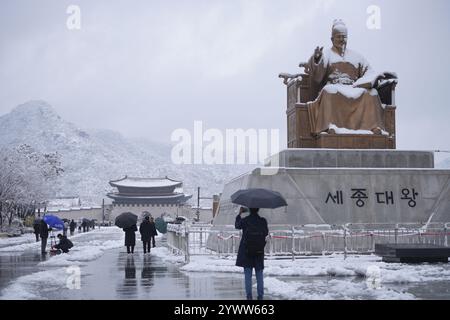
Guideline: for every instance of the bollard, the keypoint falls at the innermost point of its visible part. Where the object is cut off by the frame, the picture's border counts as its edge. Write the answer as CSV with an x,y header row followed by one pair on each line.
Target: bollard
x,y
186,253
372,242
323,243
293,243
270,244
445,234
345,243
396,233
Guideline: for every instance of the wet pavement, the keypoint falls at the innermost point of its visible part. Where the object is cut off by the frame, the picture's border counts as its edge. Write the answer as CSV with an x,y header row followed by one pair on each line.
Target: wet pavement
x,y
118,275
14,265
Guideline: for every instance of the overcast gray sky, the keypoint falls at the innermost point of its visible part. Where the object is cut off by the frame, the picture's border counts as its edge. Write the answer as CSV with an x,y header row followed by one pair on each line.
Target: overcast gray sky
x,y
145,68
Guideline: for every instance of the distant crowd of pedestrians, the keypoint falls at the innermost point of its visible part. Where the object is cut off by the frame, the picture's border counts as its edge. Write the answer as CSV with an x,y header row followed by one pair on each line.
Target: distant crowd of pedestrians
x,y
42,231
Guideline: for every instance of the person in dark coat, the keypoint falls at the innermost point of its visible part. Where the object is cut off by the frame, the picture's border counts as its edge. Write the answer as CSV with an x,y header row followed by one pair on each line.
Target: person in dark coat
x,y
72,227
153,232
130,238
66,226
43,232
244,259
84,225
64,244
146,233
36,227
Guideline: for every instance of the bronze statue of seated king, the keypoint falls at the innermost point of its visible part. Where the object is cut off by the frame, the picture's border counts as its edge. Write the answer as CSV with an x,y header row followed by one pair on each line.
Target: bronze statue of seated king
x,y
339,101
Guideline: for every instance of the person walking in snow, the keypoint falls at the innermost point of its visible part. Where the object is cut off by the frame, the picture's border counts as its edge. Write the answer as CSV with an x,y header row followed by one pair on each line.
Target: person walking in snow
x,y
72,227
65,228
36,227
251,249
43,232
130,238
153,232
145,229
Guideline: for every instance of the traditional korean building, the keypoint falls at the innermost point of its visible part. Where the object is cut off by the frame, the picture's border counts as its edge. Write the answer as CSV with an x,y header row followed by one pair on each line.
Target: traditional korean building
x,y
154,195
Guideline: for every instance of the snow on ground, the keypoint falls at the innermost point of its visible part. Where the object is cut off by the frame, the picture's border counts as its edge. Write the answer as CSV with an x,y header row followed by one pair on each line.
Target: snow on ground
x,y
332,266
165,254
329,290
52,279
26,238
332,277
321,277
31,286
27,242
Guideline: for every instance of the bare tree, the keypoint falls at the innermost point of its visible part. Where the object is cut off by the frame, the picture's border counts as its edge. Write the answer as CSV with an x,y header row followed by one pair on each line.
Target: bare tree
x,y
26,178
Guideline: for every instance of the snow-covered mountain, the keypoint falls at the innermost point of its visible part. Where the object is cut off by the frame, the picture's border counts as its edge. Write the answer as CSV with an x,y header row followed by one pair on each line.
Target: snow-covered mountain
x,y
92,158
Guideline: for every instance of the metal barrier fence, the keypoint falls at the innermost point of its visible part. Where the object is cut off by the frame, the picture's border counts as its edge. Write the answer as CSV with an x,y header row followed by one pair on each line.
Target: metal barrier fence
x,y
355,238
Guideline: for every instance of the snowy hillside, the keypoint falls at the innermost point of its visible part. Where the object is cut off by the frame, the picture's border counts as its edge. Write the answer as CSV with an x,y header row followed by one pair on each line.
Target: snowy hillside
x,y
91,158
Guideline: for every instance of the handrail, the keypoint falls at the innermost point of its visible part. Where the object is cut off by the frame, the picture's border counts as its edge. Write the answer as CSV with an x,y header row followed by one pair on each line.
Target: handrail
x,y
190,239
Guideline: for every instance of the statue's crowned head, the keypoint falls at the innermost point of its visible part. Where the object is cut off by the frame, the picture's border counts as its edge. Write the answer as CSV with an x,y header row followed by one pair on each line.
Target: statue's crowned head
x,y
339,35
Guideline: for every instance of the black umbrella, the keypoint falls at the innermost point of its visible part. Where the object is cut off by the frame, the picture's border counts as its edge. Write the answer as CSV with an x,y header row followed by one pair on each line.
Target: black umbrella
x,y
125,220
258,198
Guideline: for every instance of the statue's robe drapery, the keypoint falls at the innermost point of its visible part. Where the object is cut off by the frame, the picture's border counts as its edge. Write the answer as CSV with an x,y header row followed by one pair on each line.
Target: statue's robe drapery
x,y
340,102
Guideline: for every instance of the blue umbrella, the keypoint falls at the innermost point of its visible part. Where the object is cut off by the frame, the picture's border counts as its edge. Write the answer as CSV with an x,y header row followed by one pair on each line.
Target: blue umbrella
x,y
54,222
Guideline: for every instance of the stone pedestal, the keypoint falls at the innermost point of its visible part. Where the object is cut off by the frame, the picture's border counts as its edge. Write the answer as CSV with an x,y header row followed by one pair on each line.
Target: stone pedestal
x,y
333,158
336,187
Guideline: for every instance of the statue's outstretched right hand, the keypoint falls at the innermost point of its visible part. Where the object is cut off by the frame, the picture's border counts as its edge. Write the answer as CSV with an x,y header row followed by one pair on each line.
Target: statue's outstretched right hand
x,y
318,54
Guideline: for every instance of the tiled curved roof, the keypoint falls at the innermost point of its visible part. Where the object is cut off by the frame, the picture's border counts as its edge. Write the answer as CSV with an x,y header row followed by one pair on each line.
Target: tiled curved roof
x,y
145,182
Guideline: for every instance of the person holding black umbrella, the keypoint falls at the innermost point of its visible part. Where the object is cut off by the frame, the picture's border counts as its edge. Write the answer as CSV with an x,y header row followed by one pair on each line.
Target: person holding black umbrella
x,y
130,238
251,249
254,232
127,221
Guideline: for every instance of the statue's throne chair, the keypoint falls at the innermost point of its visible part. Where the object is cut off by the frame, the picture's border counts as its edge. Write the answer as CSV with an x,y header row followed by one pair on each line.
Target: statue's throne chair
x,y
301,89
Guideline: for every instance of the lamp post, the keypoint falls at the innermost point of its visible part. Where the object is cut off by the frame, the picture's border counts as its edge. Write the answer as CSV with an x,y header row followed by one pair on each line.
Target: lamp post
x,y
198,203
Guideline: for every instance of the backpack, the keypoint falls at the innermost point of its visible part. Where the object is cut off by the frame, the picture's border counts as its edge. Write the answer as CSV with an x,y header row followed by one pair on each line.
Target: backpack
x,y
256,241
69,244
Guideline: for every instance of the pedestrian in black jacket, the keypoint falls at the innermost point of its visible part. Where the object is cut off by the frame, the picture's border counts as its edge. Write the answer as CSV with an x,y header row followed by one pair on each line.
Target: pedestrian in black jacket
x,y
153,233
251,249
130,238
36,228
43,232
145,229
72,227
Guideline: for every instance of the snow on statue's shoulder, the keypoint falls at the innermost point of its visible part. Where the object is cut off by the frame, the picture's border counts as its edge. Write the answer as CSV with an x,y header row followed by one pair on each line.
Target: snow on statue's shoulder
x,y
350,56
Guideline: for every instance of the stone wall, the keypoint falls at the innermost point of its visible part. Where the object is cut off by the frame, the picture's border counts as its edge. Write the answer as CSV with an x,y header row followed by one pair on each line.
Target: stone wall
x,y
347,195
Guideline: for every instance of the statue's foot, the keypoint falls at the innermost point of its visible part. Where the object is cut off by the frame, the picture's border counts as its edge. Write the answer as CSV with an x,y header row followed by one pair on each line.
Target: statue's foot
x,y
377,131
